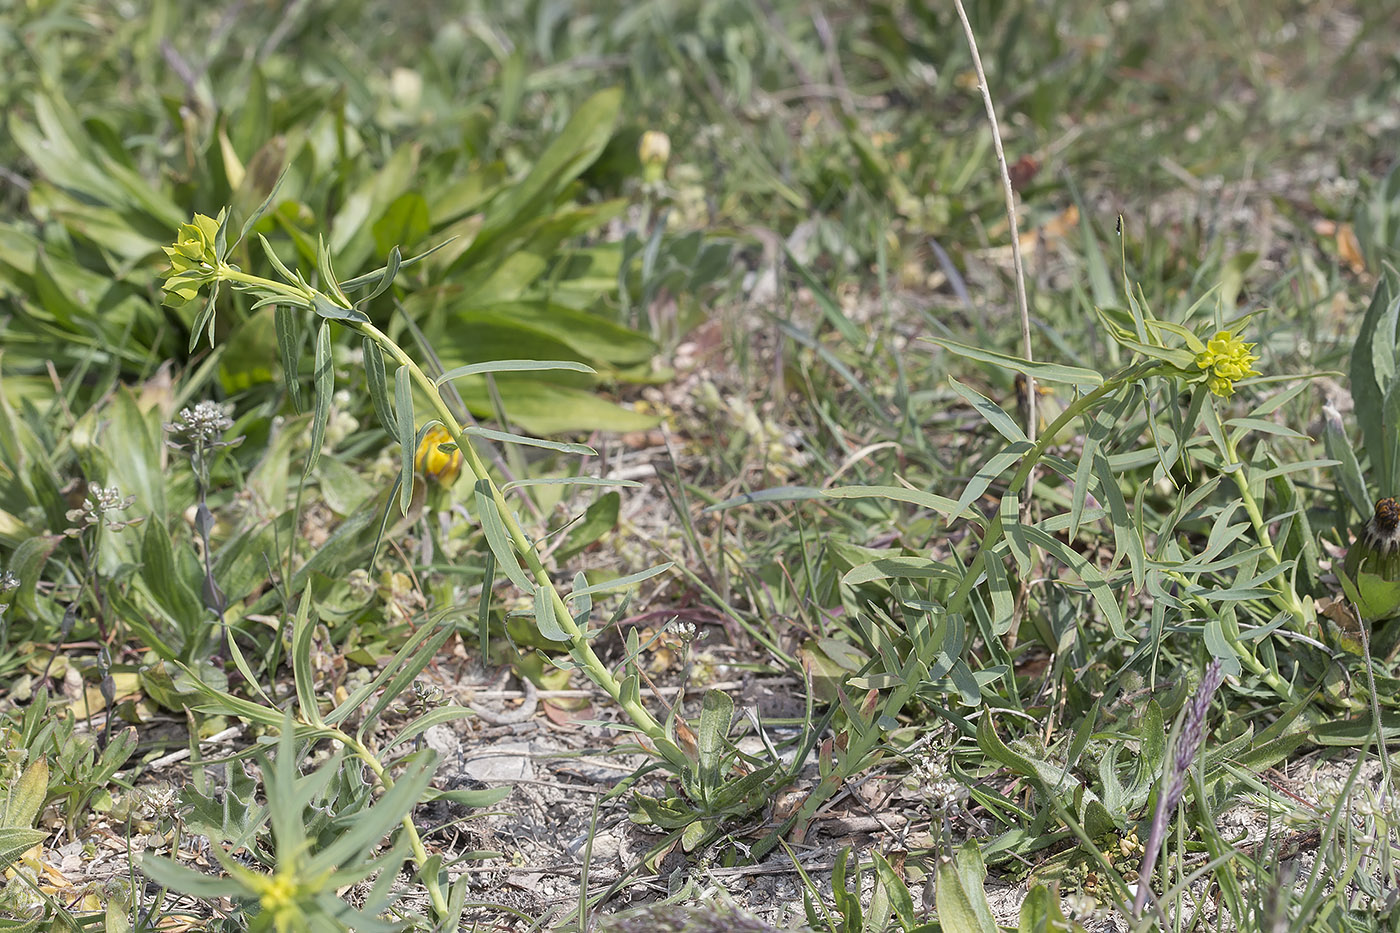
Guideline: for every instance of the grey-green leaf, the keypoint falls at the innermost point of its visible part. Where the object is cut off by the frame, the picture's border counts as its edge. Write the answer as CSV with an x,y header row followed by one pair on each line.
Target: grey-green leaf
x,y
288,347
497,539
378,383
323,379
408,441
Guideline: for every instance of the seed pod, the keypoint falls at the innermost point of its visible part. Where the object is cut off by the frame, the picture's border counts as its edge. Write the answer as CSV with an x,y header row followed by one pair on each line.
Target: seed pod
x,y
1371,571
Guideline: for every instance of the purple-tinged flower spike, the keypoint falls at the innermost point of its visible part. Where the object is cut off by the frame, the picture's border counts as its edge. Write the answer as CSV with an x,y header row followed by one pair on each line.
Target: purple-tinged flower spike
x,y
1188,745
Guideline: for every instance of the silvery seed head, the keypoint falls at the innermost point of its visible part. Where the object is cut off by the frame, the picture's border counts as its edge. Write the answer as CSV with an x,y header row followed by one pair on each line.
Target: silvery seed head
x,y
207,421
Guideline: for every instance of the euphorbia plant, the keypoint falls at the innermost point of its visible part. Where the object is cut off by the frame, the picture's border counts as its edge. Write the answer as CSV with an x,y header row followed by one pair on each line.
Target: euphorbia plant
x,y
200,267
199,260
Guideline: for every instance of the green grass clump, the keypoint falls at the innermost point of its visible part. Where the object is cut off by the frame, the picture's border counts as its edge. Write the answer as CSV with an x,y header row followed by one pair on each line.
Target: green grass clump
x,y
340,353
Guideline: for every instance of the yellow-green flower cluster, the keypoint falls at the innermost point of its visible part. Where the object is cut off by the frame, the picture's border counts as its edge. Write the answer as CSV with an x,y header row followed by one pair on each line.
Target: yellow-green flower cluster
x,y
1226,359
193,260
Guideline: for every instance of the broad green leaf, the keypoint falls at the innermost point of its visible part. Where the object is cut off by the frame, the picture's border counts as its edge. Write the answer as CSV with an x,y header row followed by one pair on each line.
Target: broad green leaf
x,y
716,714
960,896
1372,371
543,408
133,449
404,222
563,160
546,331
598,519
160,574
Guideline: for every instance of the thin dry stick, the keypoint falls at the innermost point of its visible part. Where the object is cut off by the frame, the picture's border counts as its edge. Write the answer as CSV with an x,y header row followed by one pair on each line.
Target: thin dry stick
x,y
1010,193
1017,265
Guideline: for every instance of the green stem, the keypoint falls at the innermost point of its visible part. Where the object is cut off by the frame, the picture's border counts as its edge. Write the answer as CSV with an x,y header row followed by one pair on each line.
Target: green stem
x,y
578,644
1286,598
415,842
230,274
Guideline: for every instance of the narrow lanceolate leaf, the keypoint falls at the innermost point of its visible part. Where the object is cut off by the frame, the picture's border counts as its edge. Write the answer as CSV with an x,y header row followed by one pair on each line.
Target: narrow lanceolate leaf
x,y
276,262
483,614
1041,372
582,609
1100,426
333,312
1125,534
288,346
569,481
776,494
988,472
999,588
621,582
546,621
323,378
1093,578
378,383
928,500
996,416
205,319
377,276
391,269
302,673
497,539
582,450
514,366
1011,527
408,441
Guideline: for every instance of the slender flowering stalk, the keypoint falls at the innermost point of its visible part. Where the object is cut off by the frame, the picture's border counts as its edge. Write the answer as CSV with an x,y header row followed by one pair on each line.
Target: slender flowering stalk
x,y
199,432
1188,745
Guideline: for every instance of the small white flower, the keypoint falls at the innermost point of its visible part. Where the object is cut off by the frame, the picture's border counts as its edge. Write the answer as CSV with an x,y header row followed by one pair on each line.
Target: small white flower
x,y
207,421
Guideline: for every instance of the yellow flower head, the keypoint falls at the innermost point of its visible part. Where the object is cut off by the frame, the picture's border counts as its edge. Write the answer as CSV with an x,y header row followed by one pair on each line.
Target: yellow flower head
x,y
435,463
1226,359
279,892
194,244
